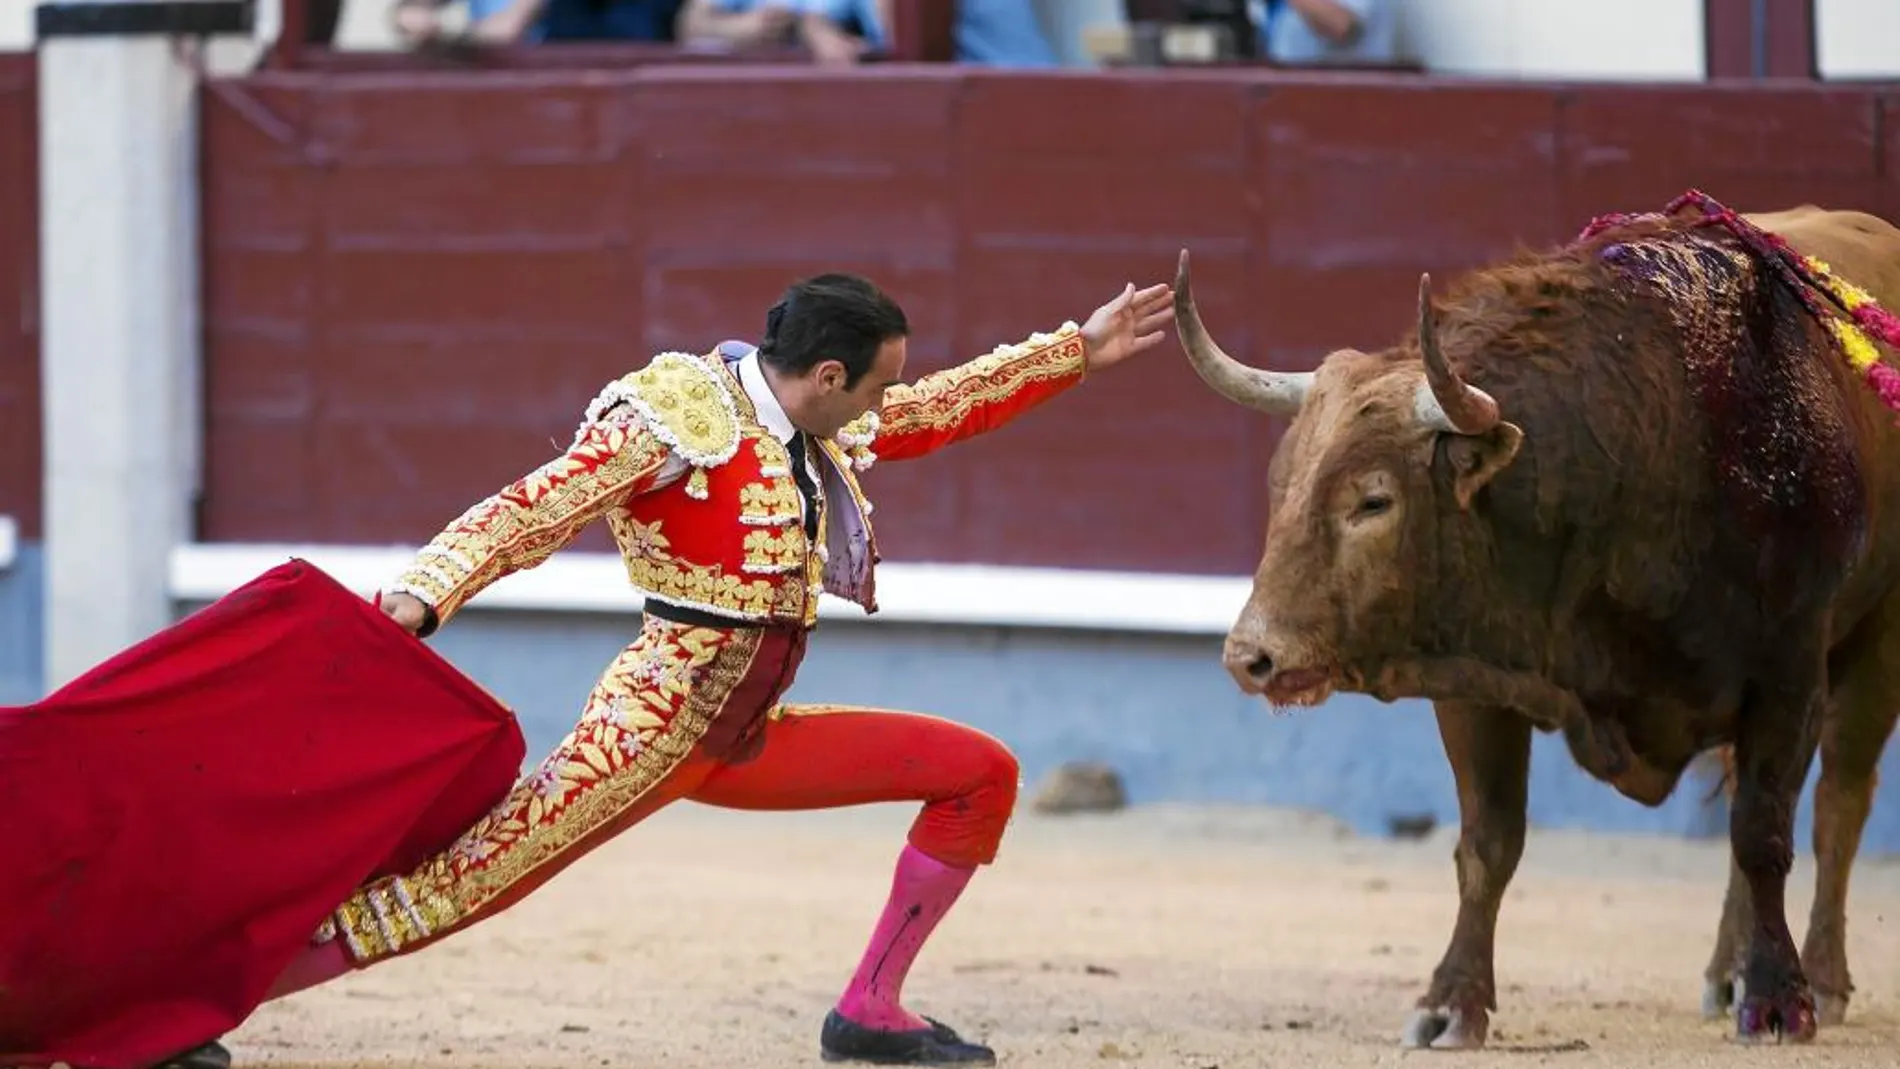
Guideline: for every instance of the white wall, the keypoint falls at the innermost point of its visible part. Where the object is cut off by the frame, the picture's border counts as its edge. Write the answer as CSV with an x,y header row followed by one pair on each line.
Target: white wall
x,y
1857,38
1616,40
16,24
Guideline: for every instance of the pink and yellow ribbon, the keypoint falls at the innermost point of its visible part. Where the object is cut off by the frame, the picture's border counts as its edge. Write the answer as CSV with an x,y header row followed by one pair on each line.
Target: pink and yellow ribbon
x,y
1804,274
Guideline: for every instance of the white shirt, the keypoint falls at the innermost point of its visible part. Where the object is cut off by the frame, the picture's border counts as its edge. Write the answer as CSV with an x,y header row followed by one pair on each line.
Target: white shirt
x,y
771,414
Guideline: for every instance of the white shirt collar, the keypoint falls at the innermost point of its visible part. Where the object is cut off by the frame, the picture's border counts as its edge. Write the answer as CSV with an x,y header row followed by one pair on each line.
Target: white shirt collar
x,y
771,414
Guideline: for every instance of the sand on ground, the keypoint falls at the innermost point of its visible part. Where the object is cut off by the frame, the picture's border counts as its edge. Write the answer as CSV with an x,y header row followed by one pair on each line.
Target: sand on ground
x,y
1164,936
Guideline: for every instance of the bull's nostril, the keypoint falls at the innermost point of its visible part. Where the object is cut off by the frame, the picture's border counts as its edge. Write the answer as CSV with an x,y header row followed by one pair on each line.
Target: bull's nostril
x,y
1260,667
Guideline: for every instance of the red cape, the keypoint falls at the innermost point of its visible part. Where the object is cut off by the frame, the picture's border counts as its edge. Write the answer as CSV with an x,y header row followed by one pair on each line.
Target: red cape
x,y
179,821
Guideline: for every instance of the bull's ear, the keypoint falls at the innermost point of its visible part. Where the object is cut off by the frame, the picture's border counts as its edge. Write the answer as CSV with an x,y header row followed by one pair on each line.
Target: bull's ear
x,y
1477,458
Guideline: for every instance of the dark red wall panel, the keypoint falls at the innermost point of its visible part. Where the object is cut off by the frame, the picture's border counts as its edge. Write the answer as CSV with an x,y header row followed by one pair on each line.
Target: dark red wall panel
x,y
1068,188
1889,204
1751,148
416,282
262,195
19,292
1362,188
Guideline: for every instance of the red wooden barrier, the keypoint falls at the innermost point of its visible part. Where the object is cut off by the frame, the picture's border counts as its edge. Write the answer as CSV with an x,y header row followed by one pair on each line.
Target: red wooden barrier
x,y
416,282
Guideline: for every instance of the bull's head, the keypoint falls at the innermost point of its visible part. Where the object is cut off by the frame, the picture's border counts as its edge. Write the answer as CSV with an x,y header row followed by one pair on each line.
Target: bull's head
x,y
1355,498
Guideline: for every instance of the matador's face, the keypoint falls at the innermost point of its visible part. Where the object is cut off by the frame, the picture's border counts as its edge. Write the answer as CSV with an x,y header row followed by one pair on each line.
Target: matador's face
x,y
833,404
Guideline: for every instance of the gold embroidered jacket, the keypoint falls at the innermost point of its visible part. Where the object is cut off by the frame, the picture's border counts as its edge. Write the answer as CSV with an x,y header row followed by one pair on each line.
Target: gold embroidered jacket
x,y
699,496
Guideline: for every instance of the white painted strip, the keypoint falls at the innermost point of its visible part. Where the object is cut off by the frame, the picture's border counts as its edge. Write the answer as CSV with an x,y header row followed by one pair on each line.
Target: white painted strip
x,y
9,541
975,595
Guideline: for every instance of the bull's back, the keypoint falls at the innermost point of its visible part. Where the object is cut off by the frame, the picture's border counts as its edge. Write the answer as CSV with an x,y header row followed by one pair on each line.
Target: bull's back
x,y
1865,250
1861,248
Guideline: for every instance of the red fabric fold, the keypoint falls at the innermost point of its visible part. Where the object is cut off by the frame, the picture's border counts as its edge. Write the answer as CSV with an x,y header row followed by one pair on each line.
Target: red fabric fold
x,y
179,821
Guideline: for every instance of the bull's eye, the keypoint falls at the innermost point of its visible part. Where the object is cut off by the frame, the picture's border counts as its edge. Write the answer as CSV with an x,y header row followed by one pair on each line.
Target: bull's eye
x,y
1372,505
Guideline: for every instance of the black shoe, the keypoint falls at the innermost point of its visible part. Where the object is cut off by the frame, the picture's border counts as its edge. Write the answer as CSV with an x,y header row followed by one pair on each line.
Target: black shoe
x,y
210,1056
844,1040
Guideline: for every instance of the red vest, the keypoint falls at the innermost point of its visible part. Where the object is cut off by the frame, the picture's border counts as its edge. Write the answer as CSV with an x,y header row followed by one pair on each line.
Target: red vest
x,y
727,536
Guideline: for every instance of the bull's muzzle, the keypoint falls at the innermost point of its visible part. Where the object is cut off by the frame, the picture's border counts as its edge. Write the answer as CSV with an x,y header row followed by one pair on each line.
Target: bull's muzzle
x,y
1249,662
1285,671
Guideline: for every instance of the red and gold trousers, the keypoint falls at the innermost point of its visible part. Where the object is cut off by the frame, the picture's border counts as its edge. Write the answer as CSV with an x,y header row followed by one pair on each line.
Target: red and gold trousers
x,y
692,712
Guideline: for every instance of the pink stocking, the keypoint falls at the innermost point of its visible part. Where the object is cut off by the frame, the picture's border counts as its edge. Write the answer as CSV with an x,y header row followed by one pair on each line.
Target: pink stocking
x,y
922,891
318,964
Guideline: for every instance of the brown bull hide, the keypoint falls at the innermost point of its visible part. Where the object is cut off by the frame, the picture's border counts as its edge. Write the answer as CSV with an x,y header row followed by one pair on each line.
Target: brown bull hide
x,y
1628,490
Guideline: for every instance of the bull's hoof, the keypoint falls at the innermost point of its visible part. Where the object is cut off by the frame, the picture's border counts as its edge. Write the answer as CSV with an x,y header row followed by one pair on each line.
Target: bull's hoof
x,y
1718,998
1446,1028
1830,1010
1789,1018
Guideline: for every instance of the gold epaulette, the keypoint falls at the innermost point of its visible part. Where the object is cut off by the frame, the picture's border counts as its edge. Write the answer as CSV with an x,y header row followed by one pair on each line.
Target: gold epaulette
x,y
684,402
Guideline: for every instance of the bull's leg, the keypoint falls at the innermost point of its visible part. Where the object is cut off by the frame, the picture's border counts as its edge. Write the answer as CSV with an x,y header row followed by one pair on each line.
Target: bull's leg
x,y
1738,917
1773,746
1859,721
1731,937
1490,753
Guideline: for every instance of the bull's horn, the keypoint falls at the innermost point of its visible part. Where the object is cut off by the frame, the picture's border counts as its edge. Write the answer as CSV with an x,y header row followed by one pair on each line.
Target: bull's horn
x,y
1278,393
1446,402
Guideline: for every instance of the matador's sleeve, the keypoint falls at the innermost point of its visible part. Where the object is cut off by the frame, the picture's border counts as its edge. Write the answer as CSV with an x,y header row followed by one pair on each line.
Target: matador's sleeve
x,y
524,523
971,398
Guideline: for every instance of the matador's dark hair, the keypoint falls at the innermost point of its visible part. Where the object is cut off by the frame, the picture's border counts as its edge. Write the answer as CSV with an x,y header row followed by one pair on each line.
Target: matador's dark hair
x,y
831,317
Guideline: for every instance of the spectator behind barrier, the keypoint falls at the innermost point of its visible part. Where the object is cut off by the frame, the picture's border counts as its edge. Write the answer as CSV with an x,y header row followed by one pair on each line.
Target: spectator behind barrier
x,y
1002,33
1315,32
835,32
995,33
507,22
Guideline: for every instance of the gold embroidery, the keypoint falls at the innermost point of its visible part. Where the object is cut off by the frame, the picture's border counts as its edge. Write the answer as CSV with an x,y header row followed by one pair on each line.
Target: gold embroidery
x,y
799,710
687,403
814,569
774,460
774,552
524,524
637,539
651,568
690,407
643,718
944,399
771,503
794,710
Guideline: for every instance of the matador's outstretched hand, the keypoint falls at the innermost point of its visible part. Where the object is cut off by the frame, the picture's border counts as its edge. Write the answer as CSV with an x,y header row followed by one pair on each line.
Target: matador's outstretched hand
x,y
1129,324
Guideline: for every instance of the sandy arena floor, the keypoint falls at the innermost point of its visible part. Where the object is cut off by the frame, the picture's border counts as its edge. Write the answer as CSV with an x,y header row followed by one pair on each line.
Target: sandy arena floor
x,y
1158,937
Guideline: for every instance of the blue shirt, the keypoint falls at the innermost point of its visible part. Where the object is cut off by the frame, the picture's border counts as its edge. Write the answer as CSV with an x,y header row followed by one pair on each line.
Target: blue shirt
x,y
1001,33
1286,38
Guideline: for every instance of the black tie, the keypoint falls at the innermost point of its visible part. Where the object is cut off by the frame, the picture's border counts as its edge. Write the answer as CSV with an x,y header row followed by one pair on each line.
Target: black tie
x,y
801,473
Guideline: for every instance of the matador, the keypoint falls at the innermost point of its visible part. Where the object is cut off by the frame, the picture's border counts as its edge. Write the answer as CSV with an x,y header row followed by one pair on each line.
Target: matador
x,y
730,482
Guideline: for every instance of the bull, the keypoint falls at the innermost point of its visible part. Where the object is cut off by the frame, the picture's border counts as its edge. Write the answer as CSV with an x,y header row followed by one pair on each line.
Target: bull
x,y
1626,489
